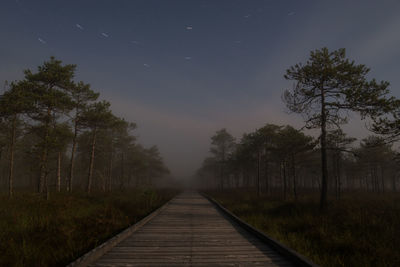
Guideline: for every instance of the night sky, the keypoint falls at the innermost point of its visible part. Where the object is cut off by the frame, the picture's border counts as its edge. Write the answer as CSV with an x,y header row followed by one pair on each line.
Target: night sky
x,y
183,69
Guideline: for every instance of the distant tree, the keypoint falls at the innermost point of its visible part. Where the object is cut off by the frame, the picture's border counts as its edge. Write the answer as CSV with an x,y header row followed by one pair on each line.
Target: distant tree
x,y
81,96
96,117
222,144
154,164
13,104
120,140
62,137
292,142
269,135
137,166
337,143
326,87
208,172
254,147
375,156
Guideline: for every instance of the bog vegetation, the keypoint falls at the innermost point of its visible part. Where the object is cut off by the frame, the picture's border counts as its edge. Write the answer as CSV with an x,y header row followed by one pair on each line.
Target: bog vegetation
x,y
39,232
360,229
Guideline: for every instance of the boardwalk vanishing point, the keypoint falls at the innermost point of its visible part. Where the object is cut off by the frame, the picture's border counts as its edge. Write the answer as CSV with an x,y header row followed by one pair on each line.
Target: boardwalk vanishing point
x,y
188,231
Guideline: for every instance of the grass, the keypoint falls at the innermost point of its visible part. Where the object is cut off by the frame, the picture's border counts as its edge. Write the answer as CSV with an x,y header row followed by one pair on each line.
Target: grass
x,y
358,230
36,232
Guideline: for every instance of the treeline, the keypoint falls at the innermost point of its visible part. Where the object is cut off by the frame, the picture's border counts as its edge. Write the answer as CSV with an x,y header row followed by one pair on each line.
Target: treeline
x,y
326,89
56,135
281,160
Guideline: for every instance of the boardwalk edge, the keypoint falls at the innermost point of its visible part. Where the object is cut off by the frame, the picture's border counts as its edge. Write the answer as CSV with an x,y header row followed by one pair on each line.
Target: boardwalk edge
x,y
290,254
100,250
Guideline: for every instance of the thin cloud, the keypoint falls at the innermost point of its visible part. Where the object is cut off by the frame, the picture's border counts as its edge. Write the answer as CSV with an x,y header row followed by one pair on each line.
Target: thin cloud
x,y
189,28
79,26
291,13
105,34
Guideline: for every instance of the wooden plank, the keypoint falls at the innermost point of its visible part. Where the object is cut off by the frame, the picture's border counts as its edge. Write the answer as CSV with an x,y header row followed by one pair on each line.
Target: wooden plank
x,y
191,232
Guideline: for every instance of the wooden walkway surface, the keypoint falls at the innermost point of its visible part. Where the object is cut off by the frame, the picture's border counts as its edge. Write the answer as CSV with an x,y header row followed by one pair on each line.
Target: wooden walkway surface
x,y
190,231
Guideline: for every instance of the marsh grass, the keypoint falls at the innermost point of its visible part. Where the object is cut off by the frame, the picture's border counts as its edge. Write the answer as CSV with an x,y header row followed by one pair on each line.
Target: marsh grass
x,y
36,232
361,229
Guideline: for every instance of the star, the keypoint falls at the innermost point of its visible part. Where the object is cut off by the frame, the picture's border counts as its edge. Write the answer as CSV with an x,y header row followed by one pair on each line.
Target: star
x,y
41,40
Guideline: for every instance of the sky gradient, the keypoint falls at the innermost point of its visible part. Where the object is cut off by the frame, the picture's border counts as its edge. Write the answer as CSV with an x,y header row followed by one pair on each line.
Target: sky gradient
x,y
183,69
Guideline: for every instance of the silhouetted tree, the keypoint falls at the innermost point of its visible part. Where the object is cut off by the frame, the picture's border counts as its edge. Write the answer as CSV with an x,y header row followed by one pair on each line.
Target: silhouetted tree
x,y
327,85
81,96
13,104
338,143
222,145
97,116
47,94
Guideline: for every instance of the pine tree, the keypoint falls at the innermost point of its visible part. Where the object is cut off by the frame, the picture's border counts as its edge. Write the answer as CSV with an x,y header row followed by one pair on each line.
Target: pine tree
x,y
96,117
47,93
81,96
327,86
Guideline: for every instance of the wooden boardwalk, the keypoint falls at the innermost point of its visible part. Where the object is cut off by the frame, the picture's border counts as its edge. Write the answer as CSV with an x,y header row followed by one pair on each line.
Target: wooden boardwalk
x,y
190,231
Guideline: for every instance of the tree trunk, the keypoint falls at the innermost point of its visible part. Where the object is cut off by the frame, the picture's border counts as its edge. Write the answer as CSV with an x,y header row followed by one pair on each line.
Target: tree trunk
x,y
236,179
47,188
89,181
110,166
59,172
43,185
72,163
222,177
104,179
266,170
122,182
336,171
383,179
339,182
258,172
324,186
43,170
294,177
12,147
284,180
